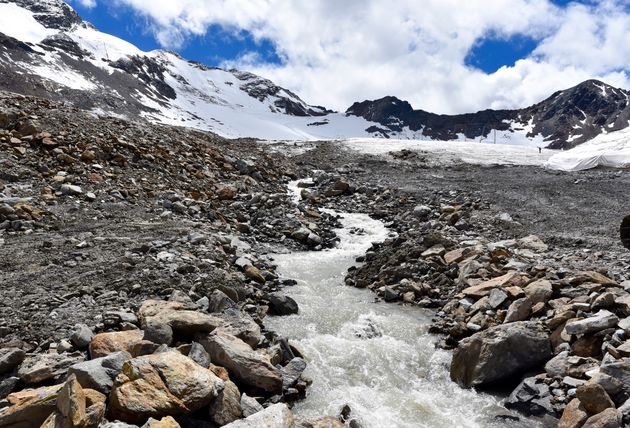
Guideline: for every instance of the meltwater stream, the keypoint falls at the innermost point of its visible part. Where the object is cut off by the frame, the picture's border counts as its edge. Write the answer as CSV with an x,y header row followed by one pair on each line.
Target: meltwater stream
x,y
376,357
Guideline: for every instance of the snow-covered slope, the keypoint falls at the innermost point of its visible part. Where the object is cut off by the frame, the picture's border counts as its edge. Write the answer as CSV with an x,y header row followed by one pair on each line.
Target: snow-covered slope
x,y
606,150
47,49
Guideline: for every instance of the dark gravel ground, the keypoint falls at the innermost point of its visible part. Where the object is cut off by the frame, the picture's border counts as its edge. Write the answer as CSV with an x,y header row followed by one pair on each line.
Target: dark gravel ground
x,y
580,209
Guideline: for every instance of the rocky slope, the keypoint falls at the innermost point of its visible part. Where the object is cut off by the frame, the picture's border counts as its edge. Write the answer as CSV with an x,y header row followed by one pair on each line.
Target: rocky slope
x,y
562,121
133,255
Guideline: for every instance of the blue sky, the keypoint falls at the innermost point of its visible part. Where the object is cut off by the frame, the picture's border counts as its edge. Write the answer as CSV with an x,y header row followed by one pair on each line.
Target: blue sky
x,y
446,56
213,48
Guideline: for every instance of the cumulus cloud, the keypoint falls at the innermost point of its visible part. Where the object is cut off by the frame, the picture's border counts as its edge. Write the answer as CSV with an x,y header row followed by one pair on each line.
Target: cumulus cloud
x,y
336,52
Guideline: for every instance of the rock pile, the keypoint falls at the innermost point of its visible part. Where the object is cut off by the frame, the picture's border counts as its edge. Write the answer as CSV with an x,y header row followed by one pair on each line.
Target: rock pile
x,y
170,360
135,274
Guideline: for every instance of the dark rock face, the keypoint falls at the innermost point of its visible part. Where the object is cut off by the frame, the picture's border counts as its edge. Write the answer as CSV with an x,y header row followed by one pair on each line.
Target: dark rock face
x,y
580,113
395,115
261,89
565,119
64,43
147,70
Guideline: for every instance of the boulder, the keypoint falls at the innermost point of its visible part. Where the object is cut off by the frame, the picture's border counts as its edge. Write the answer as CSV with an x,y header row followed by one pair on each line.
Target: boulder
x,y
279,304
226,192
598,278
292,371
619,370
253,273
249,405
539,291
611,385
219,301
175,318
519,310
301,234
104,344
45,367
483,289
531,397
165,422
29,409
609,418
496,298
10,358
275,416
241,325
574,415
240,359
534,243
99,373
81,336
226,407
71,403
434,251
162,384
95,407
594,398
499,353
558,366
199,355
600,321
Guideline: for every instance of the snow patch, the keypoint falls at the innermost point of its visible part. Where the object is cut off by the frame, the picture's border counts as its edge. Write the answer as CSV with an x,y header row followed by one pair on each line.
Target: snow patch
x,y
20,24
451,152
606,150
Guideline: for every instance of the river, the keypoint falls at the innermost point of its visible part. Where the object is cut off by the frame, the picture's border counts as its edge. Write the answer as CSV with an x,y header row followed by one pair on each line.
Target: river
x,y
376,357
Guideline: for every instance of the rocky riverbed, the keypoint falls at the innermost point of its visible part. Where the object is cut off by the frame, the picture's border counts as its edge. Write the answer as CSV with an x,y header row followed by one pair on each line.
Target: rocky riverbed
x,y
543,319
137,273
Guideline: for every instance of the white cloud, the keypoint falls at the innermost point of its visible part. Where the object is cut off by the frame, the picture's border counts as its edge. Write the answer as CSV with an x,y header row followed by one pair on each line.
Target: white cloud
x,y
337,52
86,3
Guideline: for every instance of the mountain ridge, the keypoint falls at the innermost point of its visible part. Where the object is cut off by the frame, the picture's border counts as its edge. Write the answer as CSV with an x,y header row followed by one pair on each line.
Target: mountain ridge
x,y
567,118
47,50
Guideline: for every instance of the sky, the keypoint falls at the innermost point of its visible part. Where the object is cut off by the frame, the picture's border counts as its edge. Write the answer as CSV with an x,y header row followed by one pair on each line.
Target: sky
x,y
444,56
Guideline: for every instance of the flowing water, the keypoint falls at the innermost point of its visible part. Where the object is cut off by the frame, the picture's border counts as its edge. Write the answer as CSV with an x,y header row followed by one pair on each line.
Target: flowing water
x,y
376,357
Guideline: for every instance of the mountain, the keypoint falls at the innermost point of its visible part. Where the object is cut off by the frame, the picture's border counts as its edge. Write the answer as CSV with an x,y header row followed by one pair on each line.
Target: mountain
x,y
47,50
564,120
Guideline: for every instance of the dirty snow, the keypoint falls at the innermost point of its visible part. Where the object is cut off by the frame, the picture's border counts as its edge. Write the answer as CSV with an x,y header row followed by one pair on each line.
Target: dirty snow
x,y
449,152
606,150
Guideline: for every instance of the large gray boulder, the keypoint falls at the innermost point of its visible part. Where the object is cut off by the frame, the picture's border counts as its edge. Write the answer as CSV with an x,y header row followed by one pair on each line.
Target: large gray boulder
x,y
499,353
99,373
